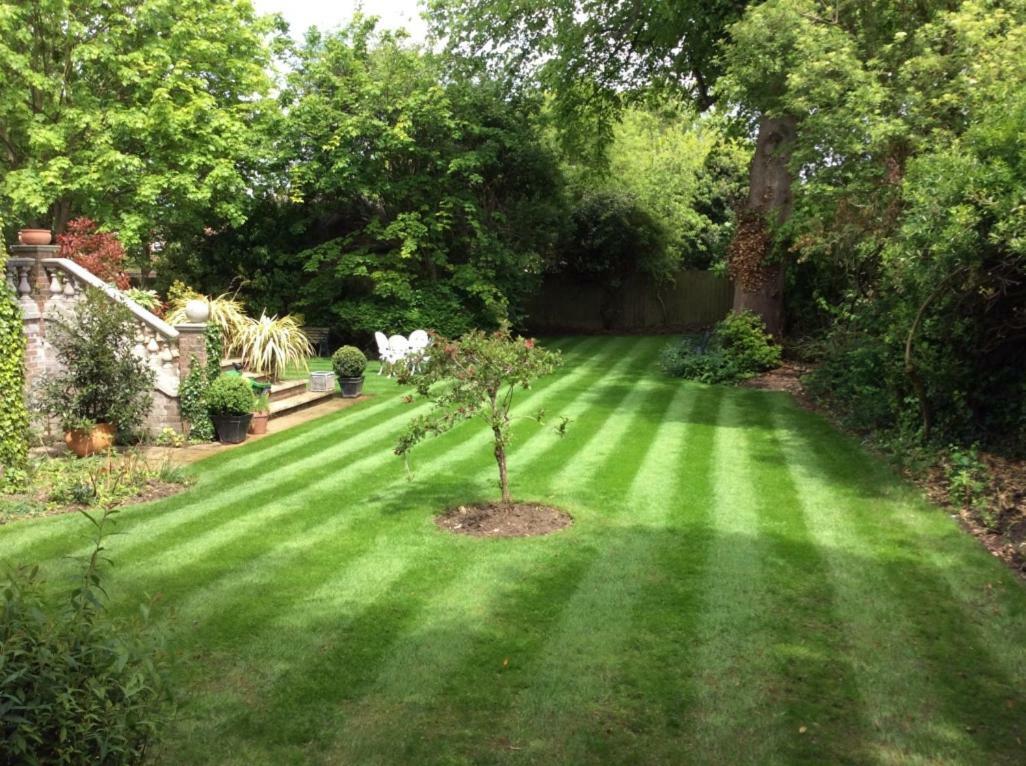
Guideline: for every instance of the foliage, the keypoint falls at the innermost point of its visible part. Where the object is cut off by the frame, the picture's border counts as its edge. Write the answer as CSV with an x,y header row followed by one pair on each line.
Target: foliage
x,y
908,223
80,685
476,376
683,170
148,299
192,403
101,380
13,416
262,404
407,199
169,437
230,395
227,313
967,477
98,252
610,237
738,348
214,343
269,345
100,113
348,362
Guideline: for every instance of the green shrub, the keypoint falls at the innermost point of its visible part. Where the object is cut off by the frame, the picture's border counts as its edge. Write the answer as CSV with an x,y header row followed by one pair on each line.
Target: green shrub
x,y
102,380
349,362
739,348
192,401
80,686
742,335
230,395
13,417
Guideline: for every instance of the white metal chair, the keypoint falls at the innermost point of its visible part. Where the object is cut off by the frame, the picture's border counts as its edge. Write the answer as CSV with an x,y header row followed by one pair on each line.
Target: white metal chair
x,y
419,341
384,351
399,347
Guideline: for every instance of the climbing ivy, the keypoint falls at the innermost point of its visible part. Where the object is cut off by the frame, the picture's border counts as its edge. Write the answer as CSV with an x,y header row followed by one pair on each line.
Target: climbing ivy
x,y
13,416
193,403
215,350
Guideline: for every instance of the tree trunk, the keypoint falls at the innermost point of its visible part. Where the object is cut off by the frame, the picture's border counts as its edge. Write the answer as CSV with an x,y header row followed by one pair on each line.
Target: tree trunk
x,y
758,284
500,458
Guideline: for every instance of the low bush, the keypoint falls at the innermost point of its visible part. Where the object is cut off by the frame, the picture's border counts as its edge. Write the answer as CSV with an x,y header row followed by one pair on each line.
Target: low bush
x,y
80,685
101,378
230,395
739,348
349,362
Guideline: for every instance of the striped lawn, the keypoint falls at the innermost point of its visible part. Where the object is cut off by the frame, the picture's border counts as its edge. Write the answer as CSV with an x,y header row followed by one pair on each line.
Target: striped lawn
x,y
742,585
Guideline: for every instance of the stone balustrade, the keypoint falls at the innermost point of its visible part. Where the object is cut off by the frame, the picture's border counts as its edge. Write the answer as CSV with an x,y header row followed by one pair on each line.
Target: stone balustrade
x,y
46,285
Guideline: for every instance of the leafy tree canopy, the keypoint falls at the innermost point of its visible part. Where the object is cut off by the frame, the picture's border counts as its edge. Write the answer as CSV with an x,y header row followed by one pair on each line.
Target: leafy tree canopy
x,y
136,113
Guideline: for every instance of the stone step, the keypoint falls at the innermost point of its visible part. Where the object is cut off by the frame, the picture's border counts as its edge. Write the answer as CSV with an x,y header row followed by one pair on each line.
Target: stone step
x,y
286,389
298,402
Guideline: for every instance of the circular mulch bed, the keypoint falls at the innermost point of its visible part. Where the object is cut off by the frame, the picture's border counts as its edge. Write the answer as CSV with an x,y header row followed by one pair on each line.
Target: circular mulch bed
x,y
496,520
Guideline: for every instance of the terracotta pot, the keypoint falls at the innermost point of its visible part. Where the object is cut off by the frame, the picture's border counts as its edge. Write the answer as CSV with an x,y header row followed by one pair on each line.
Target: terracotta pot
x,y
258,425
88,441
35,236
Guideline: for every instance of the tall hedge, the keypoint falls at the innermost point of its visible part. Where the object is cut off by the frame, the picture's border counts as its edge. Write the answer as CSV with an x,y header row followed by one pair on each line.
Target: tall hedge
x,y
13,416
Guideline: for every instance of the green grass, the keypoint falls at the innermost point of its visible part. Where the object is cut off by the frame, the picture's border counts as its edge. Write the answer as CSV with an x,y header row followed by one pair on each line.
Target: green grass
x,y
742,585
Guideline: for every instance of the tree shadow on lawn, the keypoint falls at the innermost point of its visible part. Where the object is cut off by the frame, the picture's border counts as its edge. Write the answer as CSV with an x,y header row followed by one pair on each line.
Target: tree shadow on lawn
x,y
418,673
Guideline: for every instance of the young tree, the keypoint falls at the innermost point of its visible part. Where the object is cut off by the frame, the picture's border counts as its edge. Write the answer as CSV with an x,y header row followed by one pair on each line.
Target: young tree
x,y
476,376
137,113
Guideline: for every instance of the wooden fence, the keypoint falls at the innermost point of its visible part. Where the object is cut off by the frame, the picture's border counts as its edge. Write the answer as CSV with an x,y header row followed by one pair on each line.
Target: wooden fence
x,y
695,299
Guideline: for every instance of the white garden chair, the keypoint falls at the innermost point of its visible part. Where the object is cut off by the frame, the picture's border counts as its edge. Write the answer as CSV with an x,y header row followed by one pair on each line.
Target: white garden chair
x,y
419,341
384,350
399,348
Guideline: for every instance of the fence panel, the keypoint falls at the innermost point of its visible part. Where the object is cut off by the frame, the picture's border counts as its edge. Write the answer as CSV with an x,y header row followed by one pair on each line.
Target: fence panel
x,y
695,299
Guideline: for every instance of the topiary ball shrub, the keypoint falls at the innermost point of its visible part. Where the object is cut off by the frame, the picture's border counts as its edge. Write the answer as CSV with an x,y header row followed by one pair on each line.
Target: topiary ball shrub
x,y
349,362
230,395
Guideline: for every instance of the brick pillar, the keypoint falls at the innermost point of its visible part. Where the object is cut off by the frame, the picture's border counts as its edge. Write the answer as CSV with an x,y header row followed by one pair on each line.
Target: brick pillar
x,y
37,277
192,341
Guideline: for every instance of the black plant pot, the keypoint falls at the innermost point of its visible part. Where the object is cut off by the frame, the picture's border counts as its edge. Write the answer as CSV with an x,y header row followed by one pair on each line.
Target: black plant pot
x,y
231,429
351,387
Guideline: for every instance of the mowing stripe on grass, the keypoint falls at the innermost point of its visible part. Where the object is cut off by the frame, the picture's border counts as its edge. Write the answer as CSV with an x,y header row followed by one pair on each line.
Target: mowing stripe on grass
x,y
579,667
219,474
733,719
465,457
329,488
382,551
417,668
904,608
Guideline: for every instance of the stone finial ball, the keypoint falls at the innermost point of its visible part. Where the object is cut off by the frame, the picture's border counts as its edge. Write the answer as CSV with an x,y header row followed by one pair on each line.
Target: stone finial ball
x,y
197,310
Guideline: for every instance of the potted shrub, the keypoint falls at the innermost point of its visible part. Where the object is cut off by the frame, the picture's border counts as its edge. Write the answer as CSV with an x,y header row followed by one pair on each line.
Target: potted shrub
x,y
230,404
349,364
102,387
261,414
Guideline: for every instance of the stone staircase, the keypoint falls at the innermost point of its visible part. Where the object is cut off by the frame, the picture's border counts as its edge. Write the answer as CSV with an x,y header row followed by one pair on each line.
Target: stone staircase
x,y
288,396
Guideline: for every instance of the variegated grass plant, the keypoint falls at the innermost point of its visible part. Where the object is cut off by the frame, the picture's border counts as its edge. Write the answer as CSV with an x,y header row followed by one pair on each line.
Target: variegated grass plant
x,y
269,345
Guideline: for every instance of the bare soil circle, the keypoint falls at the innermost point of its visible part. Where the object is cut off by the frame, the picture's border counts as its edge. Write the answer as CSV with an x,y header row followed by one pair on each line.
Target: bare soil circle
x,y
497,520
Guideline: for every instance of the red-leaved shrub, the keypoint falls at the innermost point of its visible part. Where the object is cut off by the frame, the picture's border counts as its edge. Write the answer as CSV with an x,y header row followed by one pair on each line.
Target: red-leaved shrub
x,y
99,252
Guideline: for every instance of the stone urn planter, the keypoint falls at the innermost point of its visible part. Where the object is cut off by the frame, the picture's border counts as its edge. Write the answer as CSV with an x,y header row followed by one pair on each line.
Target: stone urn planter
x,y
35,236
88,441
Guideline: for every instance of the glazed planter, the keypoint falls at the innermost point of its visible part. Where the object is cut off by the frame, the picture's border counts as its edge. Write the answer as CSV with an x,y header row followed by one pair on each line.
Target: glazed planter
x,y
88,441
351,387
231,429
35,236
259,423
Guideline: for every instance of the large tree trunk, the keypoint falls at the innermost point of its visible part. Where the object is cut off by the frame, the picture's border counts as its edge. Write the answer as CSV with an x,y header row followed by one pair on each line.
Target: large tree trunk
x,y
758,278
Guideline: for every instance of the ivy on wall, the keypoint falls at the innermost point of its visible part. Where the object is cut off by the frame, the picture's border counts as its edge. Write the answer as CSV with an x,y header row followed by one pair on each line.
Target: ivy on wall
x,y
13,415
192,401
